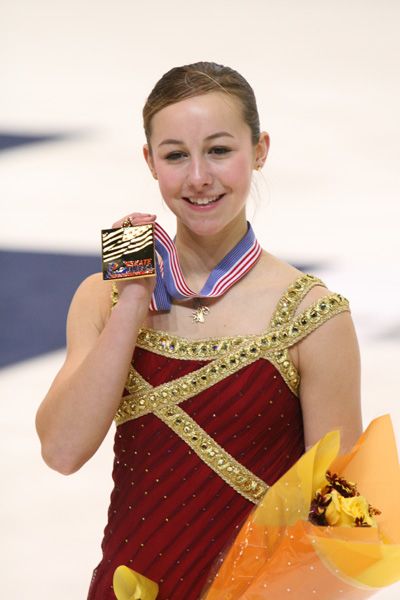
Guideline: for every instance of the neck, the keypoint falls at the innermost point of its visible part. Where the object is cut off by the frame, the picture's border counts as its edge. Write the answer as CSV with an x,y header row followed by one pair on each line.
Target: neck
x,y
200,254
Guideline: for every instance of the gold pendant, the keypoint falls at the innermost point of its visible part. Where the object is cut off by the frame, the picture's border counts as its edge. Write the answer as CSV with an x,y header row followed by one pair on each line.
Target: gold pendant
x,y
200,312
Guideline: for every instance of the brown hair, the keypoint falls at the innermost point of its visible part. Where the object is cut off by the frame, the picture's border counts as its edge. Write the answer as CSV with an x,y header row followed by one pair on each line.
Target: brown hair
x,y
201,78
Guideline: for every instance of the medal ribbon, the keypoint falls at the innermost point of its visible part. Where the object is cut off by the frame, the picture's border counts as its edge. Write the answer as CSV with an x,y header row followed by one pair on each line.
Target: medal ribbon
x,y
171,284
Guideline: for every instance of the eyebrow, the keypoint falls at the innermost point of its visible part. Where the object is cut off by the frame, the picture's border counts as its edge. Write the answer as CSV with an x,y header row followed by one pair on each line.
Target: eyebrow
x,y
209,137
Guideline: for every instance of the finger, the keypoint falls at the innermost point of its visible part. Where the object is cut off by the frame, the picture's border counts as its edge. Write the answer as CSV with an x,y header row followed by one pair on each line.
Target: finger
x,y
138,215
135,219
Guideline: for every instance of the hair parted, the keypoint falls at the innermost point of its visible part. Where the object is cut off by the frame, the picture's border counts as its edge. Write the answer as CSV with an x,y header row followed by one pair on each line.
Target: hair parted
x,y
201,78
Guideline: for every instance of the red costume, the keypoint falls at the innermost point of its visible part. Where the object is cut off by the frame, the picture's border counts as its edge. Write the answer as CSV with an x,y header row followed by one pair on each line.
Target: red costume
x,y
203,428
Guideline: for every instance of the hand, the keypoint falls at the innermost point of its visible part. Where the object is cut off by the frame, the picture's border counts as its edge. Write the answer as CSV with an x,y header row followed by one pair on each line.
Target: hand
x,y
136,219
141,289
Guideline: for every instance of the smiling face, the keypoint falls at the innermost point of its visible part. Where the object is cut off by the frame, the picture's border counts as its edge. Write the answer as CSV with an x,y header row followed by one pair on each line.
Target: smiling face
x,y
203,157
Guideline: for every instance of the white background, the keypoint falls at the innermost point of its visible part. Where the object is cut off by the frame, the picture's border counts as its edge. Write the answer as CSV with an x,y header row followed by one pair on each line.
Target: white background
x,y
326,76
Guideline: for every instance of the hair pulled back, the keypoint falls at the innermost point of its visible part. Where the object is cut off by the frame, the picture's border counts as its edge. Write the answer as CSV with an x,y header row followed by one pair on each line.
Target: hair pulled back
x,y
201,78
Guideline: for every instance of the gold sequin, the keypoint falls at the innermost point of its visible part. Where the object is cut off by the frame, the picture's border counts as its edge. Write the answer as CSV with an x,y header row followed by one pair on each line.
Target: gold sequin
x,y
166,344
291,299
283,363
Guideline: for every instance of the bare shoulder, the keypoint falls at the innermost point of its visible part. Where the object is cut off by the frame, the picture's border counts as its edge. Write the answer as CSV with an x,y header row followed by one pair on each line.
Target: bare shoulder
x,y
329,364
280,275
92,301
327,359
335,338
94,289
277,273
331,345
277,277
273,277
336,330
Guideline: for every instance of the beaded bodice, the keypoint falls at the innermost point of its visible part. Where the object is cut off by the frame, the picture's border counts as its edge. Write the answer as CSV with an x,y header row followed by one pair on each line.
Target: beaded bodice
x,y
222,358
229,354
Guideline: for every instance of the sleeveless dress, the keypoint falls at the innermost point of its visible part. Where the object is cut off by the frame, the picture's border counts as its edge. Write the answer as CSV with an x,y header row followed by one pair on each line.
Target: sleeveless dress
x,y
203,428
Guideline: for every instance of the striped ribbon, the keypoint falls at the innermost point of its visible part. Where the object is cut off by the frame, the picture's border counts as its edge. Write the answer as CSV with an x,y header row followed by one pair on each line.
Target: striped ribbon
x,y
171,284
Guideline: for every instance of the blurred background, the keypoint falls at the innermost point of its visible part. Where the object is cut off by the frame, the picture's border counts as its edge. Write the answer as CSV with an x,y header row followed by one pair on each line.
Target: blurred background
x,y
74,78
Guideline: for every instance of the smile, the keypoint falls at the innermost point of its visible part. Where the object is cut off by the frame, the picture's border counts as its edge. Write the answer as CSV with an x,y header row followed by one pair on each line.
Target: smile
x,y
204,201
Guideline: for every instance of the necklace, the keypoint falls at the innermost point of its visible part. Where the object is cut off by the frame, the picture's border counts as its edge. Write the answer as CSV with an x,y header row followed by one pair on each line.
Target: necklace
x,y
200,311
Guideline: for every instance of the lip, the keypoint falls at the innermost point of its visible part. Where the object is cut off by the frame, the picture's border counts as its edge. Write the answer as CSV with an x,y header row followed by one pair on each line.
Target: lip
x,y
204,207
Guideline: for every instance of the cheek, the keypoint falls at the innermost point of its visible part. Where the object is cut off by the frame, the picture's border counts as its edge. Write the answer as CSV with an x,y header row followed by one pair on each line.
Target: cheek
x,y
238,172
169,181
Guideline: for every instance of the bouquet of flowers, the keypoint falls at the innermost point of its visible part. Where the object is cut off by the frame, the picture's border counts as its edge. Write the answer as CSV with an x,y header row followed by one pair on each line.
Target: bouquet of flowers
x,y
314,535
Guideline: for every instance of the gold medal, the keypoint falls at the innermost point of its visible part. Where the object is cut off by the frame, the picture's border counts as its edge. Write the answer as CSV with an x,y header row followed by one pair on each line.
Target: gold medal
x,y
128,252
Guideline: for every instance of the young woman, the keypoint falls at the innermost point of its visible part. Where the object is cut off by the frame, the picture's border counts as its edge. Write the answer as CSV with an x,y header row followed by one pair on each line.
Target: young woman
x,y
217,396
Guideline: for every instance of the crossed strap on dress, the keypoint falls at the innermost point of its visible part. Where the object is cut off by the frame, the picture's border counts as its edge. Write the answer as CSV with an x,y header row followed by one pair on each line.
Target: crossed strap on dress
x,y
225,357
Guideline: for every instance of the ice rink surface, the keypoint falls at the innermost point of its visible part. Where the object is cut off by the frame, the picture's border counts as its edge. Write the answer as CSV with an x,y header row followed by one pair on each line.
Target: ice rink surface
x,y
74,78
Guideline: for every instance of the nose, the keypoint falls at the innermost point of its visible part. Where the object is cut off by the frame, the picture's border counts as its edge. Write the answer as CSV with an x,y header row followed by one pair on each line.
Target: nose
x,y
199,173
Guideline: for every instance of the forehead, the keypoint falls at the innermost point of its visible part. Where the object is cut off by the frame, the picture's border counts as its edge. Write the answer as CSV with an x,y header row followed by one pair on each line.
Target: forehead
x,y
199,115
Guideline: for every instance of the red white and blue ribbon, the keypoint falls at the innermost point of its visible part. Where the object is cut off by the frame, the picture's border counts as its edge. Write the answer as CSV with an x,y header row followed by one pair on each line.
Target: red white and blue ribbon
x,y
171,284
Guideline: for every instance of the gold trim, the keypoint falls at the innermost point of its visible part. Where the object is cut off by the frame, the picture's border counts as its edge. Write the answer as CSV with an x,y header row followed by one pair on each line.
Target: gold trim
x,y
148,400
272,347
291,299
311,318
284,312
166,344
284,364
140,401
304,324
144,399
284,336
209,451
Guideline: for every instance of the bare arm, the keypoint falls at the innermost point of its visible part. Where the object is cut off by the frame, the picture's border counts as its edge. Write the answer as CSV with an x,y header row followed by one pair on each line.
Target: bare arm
x,y
329,364
79,408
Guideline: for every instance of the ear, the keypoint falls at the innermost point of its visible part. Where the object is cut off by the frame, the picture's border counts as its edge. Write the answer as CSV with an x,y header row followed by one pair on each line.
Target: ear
x,y
149,159
261,150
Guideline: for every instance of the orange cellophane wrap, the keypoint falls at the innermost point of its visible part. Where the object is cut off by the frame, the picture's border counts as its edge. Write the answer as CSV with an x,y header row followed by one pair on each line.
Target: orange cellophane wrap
x,y
278,554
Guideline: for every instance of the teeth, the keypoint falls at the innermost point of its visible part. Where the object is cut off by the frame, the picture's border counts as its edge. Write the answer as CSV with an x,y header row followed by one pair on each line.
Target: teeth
x,y
203,201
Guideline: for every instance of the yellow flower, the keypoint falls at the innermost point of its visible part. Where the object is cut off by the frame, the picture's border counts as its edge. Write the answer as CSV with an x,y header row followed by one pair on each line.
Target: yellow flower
x,y
334,514
357,507
348,512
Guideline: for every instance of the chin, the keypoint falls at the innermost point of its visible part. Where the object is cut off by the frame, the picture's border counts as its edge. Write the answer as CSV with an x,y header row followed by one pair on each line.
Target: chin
x,y
208,228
